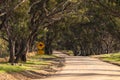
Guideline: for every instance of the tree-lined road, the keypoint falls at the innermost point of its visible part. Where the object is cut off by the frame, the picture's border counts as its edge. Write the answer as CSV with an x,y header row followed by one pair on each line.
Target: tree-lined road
x,y
86,68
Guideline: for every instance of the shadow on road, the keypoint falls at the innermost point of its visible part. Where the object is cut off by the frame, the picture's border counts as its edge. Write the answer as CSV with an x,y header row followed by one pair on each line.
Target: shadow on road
x,y
84,74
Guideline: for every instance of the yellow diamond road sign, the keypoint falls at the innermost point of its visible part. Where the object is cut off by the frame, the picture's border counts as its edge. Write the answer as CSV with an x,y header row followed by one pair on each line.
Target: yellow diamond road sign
x,y
40,45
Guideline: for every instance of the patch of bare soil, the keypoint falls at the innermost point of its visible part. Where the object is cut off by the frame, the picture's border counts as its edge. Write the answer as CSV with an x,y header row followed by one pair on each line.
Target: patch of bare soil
x,y
40,72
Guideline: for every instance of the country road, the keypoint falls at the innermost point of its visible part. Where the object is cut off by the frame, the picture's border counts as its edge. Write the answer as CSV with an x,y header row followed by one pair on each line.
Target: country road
x,y
86,68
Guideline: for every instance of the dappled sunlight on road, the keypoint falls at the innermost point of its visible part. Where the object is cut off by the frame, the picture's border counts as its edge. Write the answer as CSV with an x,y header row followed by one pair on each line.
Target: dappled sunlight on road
x,y
86,68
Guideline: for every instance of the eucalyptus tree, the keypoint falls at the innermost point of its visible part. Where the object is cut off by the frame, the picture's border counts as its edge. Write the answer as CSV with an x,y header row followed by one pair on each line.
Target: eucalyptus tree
x,y
22,20
82,21
14,20
50,15
95,33
93,25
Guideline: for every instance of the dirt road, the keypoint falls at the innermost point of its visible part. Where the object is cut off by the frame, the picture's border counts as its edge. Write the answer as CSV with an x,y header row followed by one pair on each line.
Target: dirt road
x,y
86,68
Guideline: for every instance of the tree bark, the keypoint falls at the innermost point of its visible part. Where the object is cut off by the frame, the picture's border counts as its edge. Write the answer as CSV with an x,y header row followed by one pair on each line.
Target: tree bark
x,y
12,51
48,43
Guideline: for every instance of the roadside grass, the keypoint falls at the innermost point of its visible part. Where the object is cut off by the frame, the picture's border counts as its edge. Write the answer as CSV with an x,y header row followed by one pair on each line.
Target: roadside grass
x,y
68,52
5,67
112,57
32,62
37,56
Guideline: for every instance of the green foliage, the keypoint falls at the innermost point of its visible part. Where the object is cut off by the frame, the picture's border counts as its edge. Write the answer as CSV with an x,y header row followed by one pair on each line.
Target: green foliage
x,y
86,26
53,2
20,20
3,48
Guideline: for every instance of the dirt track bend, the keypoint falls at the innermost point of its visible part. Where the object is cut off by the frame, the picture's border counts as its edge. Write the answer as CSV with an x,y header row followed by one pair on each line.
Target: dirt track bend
x,y
86,68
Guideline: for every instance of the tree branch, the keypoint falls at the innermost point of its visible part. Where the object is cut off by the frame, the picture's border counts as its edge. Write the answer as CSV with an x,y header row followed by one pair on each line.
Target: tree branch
x,y
113,12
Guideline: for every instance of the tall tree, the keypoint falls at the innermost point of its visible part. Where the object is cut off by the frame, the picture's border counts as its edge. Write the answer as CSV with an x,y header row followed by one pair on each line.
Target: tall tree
x,y
20,32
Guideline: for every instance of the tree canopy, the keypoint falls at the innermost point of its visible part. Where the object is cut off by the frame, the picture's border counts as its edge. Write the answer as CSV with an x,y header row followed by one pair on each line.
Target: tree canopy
x,y
84,26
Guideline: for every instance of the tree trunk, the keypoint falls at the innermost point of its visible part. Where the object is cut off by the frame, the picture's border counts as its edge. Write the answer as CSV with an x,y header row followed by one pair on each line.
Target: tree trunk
x,y
74,49
75,52
21,56
22,51
48,49
48,44
12,51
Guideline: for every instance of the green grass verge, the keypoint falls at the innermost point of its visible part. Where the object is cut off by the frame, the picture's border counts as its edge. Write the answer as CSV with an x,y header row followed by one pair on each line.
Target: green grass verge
x,y
11,68
112,57
31,64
